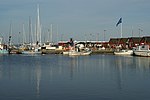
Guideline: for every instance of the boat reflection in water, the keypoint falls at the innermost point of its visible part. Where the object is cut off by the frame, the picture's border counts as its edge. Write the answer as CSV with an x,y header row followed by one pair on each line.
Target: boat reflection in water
x,y
57,77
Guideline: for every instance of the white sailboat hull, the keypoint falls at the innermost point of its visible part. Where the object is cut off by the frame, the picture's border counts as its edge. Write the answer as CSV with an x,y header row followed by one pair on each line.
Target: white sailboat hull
x,y
142,50
124,52
66,53
142,53
75,53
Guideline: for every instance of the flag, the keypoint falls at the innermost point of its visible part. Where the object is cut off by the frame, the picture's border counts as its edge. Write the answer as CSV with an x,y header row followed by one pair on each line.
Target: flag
x,y
120,21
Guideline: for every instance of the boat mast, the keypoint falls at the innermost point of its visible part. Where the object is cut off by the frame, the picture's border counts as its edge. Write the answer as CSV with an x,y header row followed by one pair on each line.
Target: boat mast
x,y
32,35
38,25
51,38
29,29
48,37
57,34
121,29
24,36
10,34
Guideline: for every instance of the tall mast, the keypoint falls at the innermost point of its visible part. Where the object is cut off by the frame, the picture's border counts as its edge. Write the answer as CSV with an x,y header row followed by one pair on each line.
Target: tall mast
x,y
51,33
32,36
38,25
24,35
57,34
35,35
10,31
29,29
48,37
121,29
10,34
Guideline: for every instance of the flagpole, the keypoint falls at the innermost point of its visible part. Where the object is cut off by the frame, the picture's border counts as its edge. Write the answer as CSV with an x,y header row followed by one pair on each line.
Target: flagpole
x,y
121,29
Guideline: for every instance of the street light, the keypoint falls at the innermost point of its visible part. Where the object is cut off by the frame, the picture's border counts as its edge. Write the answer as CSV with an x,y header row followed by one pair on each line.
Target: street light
x,y
104,34
140,32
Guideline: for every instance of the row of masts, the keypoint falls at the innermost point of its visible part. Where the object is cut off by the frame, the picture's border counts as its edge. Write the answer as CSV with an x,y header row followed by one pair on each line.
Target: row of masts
x,y
33,37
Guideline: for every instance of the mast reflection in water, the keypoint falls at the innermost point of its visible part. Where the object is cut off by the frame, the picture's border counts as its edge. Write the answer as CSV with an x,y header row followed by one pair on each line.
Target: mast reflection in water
x,y
58,77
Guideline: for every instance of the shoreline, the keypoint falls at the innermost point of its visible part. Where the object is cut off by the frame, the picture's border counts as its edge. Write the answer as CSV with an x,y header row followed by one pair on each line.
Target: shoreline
x,y
93,51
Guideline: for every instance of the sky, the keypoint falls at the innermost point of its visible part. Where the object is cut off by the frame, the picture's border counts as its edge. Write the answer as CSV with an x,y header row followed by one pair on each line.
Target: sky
x,y
77,19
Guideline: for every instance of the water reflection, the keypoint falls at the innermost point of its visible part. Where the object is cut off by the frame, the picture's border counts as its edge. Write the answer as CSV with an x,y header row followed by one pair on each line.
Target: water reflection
x,y
137,63
142,63
57,76
128,66
38,77
73,66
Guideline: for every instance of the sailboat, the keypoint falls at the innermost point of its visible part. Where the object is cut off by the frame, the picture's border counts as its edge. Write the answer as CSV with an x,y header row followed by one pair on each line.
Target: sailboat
x,y
35,48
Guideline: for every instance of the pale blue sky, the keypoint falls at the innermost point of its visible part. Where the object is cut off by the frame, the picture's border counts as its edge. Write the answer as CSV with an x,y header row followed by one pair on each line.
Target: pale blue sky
x,y
79,19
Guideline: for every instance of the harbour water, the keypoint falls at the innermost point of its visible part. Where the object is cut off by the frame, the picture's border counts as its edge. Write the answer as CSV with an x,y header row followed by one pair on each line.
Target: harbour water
x,y
58,77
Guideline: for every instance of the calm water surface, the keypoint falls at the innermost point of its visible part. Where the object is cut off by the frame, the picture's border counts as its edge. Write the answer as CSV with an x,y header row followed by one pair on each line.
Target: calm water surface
x,y
58,77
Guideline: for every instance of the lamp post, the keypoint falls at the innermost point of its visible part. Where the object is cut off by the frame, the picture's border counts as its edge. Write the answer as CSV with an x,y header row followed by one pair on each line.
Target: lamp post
x,y
104,34
140,32
97,36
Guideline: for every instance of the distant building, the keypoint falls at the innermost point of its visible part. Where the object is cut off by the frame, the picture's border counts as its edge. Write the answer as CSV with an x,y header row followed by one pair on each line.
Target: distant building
x,y
134,41
124,43
113,42
145,40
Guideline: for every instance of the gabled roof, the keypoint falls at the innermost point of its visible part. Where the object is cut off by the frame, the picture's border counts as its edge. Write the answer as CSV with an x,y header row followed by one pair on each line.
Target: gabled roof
x,y
114,40
146,39
124,40
118,40
135,39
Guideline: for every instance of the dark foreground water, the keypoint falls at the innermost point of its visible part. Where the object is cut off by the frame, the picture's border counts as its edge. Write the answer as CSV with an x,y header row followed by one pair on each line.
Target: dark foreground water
x,y
58,77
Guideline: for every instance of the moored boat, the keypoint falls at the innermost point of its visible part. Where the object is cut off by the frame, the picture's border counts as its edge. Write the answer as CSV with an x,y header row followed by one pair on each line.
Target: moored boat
x,y
3,48
124,52
65,52
76,49
142,50
32,51
78,53
3,51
